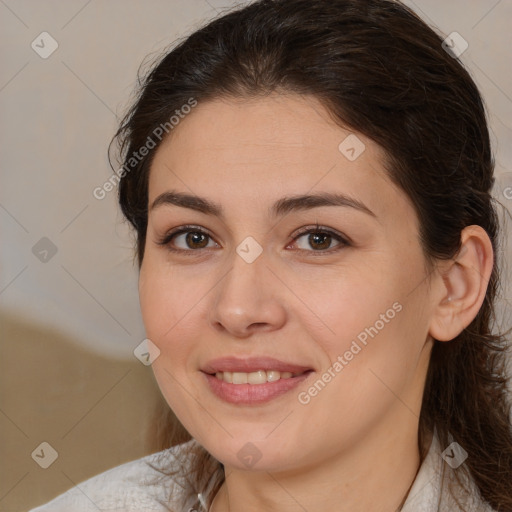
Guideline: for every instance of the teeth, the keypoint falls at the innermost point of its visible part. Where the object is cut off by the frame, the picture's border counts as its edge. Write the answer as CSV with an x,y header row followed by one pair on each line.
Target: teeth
x,y
259,377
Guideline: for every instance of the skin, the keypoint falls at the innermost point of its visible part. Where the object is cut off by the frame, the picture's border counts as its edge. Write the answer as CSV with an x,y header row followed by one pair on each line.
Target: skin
x,y
353,447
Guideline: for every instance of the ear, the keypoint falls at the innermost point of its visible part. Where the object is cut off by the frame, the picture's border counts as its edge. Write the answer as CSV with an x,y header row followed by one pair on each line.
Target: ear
x,y
463,285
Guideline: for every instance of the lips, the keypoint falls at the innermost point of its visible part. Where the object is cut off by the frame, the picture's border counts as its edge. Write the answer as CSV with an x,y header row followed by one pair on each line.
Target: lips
x,y
240,381
252,364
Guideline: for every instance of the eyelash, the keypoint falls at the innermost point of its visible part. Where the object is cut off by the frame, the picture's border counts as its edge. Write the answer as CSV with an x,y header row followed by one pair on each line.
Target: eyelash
x,y
167,238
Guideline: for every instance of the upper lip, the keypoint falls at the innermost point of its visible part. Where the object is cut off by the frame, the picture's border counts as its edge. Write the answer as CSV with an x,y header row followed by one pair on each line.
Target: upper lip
x,y
251,364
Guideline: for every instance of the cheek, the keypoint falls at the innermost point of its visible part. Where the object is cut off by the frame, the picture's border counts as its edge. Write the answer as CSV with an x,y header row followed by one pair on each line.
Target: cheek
x,y
174,306
170,311
370,362
369,335
369,326
167,300
345,305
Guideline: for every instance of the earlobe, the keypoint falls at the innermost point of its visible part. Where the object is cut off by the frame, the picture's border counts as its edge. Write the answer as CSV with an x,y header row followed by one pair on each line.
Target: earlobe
x,y
463,285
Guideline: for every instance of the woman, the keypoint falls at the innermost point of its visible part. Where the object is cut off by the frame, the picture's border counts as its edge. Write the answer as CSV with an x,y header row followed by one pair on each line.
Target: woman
x,y
310,187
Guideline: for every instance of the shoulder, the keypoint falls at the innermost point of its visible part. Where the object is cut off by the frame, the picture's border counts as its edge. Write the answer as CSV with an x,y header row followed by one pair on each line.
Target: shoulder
x,y
437,486
133,486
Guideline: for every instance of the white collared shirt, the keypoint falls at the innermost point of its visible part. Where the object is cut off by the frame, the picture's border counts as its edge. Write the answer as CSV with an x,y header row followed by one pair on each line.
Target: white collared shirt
x,y
136,487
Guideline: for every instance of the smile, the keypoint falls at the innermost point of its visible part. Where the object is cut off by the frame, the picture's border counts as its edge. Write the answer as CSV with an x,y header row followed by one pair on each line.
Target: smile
x,y
258,377
254,388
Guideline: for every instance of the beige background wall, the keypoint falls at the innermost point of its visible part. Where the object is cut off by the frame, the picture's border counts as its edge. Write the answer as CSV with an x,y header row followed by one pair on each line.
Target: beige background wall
x,y
70,320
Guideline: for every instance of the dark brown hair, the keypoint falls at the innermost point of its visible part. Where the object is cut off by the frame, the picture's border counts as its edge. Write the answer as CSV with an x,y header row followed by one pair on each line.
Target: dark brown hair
x,y
381,71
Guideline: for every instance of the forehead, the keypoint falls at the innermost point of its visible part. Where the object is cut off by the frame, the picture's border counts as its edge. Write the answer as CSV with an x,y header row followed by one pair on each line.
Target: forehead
x,y
239,149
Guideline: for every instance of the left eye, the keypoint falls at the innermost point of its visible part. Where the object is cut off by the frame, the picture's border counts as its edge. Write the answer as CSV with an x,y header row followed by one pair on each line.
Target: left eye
x,y
319,240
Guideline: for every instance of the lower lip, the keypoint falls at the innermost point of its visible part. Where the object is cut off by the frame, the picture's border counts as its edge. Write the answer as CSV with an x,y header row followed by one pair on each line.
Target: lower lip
x,y
251,394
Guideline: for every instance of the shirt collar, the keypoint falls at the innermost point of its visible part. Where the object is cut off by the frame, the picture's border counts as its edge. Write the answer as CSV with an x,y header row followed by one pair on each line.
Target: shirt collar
x,y
425,492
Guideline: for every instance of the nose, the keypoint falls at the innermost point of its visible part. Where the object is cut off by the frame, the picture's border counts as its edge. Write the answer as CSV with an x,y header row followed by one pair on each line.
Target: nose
x,y
248,299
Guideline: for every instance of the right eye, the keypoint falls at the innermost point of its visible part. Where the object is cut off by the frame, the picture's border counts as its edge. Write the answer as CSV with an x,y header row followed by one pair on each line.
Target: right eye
x,y
191,238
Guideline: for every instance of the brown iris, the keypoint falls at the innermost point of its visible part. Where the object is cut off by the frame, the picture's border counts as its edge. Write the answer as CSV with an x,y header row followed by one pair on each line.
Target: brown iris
x,y
194,237
319,240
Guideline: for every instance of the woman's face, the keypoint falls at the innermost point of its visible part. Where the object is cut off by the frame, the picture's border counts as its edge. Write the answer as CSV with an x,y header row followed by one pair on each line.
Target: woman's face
x,y
255,282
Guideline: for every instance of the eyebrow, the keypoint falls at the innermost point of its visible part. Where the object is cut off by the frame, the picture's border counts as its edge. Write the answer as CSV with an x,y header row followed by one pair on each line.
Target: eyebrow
x,y
280,208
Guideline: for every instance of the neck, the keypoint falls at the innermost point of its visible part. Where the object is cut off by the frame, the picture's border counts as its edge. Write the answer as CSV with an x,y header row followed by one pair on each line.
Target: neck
x,y
374,474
